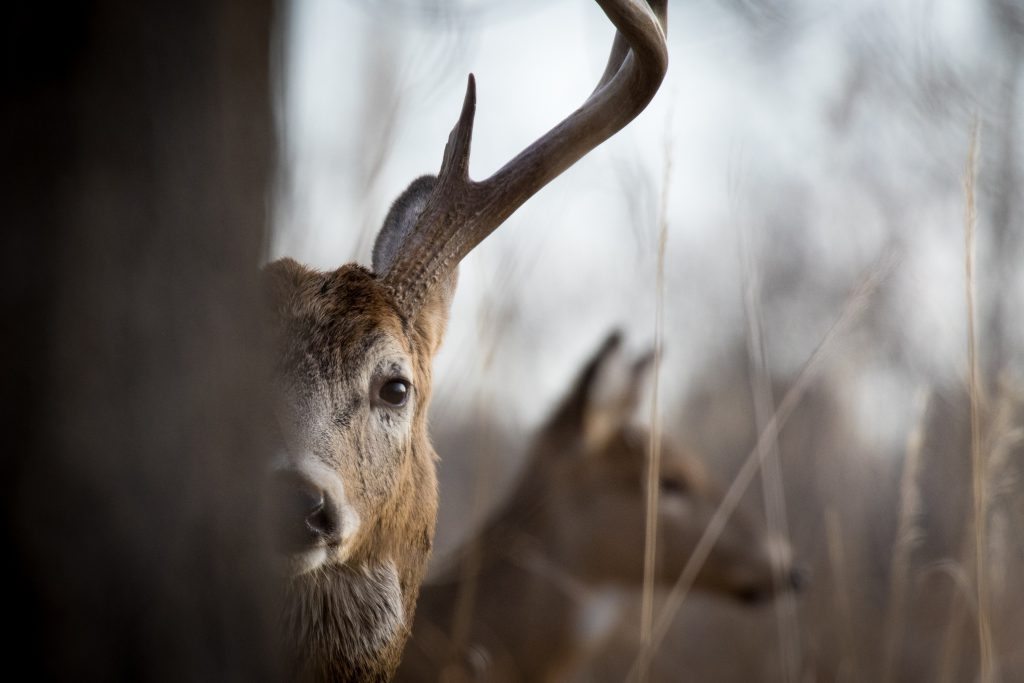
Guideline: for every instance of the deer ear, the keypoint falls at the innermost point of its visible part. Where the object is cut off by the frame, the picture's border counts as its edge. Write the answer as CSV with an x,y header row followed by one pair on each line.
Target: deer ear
x,y
615,394
573,408
395,234
396,237
640,373
602,398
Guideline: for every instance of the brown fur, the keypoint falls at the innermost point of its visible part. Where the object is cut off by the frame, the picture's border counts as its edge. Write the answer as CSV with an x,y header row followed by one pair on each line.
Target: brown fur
x,y
325,323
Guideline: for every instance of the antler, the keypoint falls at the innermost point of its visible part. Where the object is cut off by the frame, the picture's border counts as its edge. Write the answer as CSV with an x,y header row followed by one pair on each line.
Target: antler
x,y
460,213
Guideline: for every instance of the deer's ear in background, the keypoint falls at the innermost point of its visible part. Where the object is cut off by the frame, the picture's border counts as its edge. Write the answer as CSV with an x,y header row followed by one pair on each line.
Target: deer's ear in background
x,y
606,395
397,236
614,396
640,374
571,414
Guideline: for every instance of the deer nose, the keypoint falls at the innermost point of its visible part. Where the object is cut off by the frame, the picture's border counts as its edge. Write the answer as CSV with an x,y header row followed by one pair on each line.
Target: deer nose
x,y
799,577
305,513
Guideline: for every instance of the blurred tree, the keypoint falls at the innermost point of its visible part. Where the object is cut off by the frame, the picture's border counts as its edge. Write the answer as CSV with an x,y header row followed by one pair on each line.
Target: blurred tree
x,y
137,148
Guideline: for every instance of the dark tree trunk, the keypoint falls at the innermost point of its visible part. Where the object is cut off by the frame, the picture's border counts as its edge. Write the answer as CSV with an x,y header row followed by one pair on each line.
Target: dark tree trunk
x,y
137,151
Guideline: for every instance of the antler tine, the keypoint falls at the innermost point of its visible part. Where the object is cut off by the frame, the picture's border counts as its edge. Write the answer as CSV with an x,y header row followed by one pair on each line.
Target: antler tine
x,y
460,213
455,163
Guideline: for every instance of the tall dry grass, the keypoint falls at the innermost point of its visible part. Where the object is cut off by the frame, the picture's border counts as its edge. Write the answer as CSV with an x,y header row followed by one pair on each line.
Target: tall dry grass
x,y
978,470
654,449
908,536
847,668
491,326
772,486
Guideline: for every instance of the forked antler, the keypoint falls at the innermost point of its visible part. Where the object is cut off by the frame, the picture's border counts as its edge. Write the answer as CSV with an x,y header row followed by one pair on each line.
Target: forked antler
x,y
460,213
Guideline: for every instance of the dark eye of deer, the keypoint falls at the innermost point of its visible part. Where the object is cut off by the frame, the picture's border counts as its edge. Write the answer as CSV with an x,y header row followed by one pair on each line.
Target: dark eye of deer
x,y
394,393
673,487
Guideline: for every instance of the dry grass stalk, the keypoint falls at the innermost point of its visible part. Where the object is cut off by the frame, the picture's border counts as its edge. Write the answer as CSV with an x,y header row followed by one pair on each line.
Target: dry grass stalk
x,y
853,307
1001,435
490,328
771,473
978,469
1004,435
908,535
961,600
654,460
838,565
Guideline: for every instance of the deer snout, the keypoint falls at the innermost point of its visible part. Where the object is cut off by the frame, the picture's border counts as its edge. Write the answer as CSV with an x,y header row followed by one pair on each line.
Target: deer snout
x,y
798,579
794,580
307,515
792,576
779,574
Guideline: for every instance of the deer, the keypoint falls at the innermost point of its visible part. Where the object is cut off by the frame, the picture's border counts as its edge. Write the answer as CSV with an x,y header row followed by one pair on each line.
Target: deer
x,y
550,565
354,483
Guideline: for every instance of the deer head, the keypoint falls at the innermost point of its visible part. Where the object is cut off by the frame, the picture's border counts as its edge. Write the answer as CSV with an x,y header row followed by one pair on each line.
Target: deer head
x,y
592,462
355,479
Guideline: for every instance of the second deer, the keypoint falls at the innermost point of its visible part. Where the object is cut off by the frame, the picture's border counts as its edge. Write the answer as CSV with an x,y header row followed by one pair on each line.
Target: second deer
x,y
573,527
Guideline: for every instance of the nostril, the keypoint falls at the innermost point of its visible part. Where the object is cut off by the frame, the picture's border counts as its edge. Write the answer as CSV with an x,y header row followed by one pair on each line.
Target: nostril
x,y
753,595
320,522
308,502
304,516
799,577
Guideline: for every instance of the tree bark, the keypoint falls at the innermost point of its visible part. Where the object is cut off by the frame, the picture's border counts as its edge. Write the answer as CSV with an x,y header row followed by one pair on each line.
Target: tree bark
x,y
137,153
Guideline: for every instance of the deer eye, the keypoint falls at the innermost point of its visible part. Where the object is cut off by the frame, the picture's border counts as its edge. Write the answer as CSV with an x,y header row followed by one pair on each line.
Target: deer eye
x,y
394,392
673,487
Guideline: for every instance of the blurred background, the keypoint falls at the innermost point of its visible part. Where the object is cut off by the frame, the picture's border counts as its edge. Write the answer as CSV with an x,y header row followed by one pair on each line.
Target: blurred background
x,y
797,150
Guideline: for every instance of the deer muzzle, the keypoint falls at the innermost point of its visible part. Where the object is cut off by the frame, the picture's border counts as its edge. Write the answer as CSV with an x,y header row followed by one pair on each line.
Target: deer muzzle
x,y
307,515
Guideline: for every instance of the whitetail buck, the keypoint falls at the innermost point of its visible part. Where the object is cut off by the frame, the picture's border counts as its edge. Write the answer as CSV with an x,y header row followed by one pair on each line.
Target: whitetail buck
x,y
573,529
356,471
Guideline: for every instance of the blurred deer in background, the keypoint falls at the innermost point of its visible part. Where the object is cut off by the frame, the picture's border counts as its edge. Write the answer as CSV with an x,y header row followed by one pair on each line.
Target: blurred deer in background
x,y
356,482
574,528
